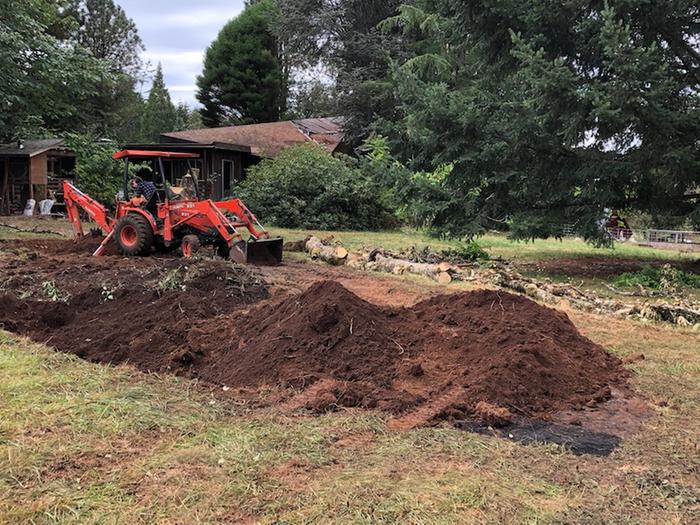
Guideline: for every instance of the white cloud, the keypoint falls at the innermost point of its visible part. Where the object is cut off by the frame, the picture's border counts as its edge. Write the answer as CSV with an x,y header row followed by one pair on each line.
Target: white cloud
x,y
207,17
177,59
176,33
182,89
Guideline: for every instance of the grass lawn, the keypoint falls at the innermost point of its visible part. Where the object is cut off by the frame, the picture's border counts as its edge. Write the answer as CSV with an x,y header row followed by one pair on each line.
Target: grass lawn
x,y
497,245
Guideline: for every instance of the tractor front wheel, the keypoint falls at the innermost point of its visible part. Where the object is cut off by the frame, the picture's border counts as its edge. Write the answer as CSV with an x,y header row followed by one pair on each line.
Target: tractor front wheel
x,y
133,235
190,245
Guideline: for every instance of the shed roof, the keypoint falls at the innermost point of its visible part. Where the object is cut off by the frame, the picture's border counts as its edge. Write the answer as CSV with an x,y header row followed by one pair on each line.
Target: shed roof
x,y
30,148
268,139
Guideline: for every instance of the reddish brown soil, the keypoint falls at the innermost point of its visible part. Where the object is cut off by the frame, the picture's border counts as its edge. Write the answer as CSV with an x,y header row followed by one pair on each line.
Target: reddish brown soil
x,y
86,245
326,347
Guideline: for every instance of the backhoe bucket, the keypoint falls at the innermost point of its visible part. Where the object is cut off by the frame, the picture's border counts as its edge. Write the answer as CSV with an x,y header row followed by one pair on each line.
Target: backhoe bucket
x,y
262,252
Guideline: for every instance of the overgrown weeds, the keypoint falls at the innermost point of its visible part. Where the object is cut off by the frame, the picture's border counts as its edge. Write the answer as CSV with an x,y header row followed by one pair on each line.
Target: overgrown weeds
x,y
666,279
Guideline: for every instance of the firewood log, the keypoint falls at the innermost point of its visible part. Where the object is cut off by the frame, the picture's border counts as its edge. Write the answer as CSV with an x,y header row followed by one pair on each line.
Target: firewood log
x,y
335,255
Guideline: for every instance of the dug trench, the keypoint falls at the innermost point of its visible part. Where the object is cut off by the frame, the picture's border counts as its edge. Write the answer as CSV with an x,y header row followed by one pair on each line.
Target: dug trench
x,y
480,360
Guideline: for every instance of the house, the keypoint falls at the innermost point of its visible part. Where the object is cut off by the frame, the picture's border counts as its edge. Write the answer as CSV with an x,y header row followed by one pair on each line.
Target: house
x,y
32,169
226,153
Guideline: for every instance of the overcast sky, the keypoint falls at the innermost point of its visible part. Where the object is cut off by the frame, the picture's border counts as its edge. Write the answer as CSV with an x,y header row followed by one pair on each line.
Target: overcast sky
x,y
176,33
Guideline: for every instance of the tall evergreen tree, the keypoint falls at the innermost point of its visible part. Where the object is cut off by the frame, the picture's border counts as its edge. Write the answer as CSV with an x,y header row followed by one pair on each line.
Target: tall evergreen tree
x,y
186,118
108,33
159,114
549,112
103,28
243,79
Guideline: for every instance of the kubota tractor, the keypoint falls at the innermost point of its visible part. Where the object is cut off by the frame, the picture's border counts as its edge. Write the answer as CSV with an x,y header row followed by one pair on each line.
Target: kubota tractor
x,y
167,221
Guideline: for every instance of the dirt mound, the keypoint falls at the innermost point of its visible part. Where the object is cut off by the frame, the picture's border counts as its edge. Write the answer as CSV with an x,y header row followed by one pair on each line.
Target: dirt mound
x,y
438,359
509,351
325,331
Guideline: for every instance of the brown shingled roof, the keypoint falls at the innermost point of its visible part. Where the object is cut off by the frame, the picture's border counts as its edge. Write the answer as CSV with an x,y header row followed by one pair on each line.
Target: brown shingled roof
x,y
268,139
30,148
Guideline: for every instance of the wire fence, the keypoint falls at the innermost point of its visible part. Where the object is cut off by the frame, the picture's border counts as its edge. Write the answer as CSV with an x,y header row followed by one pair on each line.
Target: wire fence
x,y
681,237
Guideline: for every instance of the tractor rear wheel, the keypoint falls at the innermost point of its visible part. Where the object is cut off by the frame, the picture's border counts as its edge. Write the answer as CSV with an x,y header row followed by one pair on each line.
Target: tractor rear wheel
x,y
190,245
133,235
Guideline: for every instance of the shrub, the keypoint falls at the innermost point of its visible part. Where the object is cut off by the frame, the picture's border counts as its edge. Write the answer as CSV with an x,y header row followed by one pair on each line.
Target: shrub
x,y
470,251
666,278
97,173
306,187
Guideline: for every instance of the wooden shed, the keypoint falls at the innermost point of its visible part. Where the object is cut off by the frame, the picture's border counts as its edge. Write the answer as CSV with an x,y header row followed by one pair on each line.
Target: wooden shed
x,y
32,169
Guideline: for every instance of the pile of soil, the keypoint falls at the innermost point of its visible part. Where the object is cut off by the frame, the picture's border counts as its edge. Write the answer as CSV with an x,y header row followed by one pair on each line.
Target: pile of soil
x,y
481,354
437,359
85,245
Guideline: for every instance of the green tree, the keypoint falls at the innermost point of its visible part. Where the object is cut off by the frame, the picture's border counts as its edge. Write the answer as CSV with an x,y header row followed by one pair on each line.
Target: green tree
x,y
108,33
310,99
104,29
243,79
343,40
97,173
159,115
549,112
44,82
186,118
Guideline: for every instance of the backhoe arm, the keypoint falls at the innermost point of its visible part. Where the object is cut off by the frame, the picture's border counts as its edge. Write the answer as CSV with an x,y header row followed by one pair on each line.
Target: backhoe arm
x,y
76,199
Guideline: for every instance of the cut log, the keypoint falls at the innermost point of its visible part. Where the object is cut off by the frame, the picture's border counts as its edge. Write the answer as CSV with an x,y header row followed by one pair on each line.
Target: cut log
x,y
444,266
335,255
444,278
402,266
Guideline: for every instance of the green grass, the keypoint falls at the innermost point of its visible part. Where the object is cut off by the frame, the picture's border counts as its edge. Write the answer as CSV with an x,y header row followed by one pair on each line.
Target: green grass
x,y
84,443
496,245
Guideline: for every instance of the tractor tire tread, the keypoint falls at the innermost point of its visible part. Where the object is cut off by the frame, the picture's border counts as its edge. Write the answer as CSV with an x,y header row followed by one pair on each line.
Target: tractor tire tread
x,y
144,233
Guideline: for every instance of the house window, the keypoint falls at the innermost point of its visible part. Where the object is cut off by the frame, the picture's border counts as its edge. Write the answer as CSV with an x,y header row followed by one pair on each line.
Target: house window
x,y
227,180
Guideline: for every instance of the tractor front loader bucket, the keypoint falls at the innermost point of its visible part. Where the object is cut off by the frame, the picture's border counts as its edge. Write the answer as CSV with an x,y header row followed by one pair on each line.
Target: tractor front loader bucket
x,y
263,252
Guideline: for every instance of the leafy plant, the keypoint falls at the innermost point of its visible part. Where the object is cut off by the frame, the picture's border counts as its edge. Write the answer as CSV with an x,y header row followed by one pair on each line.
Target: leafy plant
x,y
470,251
306,187
667,278
172,280
98,174
107,293
51,291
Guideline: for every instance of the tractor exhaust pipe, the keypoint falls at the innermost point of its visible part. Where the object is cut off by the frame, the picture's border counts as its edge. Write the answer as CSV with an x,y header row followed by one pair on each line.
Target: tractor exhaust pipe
x,y
263,252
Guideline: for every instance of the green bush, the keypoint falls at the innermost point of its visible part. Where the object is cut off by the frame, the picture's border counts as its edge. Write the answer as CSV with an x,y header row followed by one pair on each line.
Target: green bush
x,y
470,251
664,278
306,187
98,174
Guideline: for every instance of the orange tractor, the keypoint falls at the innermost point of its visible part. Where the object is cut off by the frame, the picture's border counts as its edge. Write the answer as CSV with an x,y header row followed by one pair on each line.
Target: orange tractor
x,y
167,221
